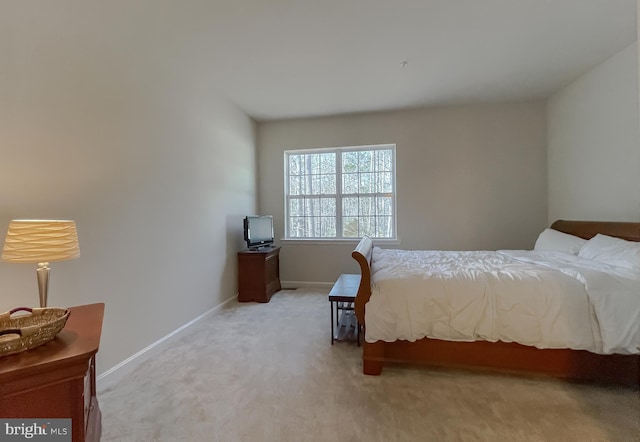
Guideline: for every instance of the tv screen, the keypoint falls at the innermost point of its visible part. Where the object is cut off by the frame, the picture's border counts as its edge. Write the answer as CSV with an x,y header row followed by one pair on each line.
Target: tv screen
x,y
258,231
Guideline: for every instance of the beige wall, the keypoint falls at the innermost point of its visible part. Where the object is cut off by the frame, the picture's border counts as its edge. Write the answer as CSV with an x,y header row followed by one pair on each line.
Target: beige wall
x,y
123,132
594,143
156,169
468,177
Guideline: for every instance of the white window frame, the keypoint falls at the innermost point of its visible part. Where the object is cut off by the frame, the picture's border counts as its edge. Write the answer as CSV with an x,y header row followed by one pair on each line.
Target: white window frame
x,y
339,195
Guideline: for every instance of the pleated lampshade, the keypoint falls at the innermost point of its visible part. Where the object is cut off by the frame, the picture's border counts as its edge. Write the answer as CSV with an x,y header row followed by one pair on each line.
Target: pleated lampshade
x,y
41,241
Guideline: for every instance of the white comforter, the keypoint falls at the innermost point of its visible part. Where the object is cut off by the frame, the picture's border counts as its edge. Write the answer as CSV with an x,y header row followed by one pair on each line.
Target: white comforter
x,y
542,299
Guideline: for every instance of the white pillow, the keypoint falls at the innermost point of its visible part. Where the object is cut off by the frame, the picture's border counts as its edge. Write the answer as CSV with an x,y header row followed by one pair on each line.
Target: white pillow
x,y
551,239
614,251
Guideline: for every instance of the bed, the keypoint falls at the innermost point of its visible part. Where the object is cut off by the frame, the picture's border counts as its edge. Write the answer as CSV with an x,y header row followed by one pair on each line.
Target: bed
x,y
590,359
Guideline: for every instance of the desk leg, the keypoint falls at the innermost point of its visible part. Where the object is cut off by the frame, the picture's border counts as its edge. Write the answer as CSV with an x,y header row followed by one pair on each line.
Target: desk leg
x,y
332,331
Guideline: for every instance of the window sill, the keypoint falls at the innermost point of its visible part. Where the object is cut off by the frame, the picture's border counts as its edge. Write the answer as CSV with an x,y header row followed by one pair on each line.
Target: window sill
x,y
341,242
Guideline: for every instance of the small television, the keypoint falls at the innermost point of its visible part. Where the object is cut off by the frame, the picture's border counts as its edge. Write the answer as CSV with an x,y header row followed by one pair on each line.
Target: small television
x,y
258,231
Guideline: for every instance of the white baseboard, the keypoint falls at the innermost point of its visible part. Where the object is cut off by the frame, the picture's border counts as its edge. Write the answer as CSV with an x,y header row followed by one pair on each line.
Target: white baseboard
x,y
117,372
306,284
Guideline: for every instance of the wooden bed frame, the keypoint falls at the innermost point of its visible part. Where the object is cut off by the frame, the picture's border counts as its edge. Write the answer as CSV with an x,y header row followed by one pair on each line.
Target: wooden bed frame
x,y
500,356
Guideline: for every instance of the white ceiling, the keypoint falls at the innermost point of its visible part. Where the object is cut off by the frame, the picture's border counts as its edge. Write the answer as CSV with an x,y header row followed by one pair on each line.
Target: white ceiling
x,y
294,58
307,58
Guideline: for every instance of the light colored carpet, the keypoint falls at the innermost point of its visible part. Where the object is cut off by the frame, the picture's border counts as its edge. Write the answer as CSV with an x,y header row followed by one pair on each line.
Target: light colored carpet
x,y
267,372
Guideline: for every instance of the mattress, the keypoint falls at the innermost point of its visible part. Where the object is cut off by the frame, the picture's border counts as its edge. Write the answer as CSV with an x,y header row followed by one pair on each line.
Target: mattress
x,y
537,298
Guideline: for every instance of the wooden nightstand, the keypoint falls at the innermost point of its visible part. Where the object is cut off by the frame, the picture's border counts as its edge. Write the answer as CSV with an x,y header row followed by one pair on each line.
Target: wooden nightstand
x,y
258,274
58,379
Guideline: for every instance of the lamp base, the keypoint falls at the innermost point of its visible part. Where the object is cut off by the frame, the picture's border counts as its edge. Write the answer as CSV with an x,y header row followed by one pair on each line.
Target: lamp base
x,y
43,271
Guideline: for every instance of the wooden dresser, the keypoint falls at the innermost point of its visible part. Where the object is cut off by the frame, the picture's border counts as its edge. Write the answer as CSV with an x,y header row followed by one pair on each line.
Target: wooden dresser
x,y
258,274
58,379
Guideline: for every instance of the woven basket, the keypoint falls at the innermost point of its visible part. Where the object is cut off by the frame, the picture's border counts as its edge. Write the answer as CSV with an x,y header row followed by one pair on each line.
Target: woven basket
x,y
25,332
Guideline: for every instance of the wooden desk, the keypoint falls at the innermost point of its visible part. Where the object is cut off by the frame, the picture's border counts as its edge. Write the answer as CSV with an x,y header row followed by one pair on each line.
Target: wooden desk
x,y
341,298
58,379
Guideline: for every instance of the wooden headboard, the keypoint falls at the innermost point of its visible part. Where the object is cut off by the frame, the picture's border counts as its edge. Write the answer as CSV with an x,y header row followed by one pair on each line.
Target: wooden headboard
x,y
588,229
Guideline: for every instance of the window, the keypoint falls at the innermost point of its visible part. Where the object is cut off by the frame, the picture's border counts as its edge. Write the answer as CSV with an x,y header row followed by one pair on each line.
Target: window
x,y
340,193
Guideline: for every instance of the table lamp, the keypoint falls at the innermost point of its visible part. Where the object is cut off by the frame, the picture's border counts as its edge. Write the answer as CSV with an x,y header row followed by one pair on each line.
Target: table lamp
x,y
41,241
